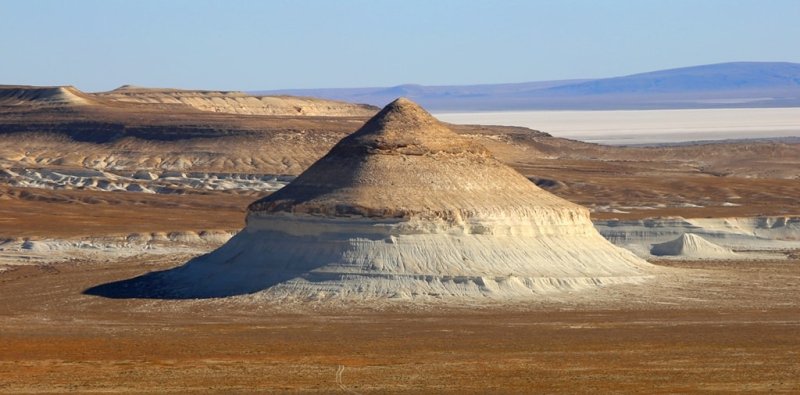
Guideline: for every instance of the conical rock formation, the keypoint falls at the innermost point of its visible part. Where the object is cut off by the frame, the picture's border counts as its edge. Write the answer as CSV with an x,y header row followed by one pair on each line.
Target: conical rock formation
x,y
690,245
406,208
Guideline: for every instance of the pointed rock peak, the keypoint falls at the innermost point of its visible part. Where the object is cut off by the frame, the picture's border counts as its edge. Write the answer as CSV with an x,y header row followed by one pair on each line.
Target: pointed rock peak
x,y
399,114
406,128
402,102
405,106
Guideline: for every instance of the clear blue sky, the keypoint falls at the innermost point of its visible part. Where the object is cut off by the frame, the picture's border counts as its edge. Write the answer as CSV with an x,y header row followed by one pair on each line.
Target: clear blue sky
x,y
249,45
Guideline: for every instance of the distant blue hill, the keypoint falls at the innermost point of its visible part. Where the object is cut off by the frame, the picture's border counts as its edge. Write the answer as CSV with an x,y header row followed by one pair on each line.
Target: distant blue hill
x,y
723,85
715,77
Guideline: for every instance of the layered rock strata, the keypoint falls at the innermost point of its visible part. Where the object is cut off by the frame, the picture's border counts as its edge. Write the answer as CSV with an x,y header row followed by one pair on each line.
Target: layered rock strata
x,y
406,208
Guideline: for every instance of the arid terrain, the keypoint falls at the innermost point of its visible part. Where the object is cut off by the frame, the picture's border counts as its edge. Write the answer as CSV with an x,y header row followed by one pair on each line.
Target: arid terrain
x,y
102,187
723,327
93,144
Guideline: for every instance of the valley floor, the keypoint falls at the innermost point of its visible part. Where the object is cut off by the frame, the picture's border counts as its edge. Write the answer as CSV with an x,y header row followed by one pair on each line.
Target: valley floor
x,y
709,326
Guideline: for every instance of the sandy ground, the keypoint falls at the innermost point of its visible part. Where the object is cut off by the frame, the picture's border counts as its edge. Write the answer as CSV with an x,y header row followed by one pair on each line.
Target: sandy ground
x,y
710,326
646,126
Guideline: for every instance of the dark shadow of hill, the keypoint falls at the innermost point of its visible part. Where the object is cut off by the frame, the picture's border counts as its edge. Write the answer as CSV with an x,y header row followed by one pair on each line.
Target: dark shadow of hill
x,y
197,279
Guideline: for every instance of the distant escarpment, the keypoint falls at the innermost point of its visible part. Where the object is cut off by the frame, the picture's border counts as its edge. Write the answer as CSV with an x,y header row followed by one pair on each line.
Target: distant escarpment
x,y
167,114
22,96
238,102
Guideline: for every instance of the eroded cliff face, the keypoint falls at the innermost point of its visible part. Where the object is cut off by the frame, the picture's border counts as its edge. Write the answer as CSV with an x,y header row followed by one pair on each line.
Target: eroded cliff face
x,y
239,102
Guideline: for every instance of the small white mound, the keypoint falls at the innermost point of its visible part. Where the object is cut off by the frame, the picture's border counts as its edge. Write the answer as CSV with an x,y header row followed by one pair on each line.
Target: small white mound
x,y
690,245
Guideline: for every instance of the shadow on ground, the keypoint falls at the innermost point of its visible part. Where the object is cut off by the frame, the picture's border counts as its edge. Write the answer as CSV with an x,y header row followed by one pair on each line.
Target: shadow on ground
x,y
200,278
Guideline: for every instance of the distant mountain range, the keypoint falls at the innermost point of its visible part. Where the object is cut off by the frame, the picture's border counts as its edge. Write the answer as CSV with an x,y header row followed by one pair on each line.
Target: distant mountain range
x,y
723,85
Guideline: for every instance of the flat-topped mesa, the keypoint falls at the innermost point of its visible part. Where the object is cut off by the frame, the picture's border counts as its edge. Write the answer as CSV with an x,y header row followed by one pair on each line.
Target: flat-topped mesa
x,y
405,164
235,102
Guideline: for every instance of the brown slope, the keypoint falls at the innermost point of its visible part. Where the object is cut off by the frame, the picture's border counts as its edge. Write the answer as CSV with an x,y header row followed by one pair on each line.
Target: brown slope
x,y
404,162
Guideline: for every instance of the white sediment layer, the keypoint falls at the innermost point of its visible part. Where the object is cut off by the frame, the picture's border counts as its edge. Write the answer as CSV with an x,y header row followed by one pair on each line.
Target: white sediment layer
x,y
307,257
141,181
26,251
759,234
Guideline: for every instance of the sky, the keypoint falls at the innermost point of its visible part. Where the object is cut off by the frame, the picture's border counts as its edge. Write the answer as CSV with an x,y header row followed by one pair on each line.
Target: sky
x,y
254,45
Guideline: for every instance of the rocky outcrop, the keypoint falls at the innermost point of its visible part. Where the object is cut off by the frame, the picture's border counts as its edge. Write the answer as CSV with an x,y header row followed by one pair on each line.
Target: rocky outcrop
x,y
404,208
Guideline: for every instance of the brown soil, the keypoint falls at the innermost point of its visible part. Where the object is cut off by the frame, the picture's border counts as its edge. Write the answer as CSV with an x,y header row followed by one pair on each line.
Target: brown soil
x,y
726,327
31,212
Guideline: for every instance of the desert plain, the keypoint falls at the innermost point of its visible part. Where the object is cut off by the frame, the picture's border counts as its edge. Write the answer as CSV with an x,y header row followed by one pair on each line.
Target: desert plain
x,y
97,188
